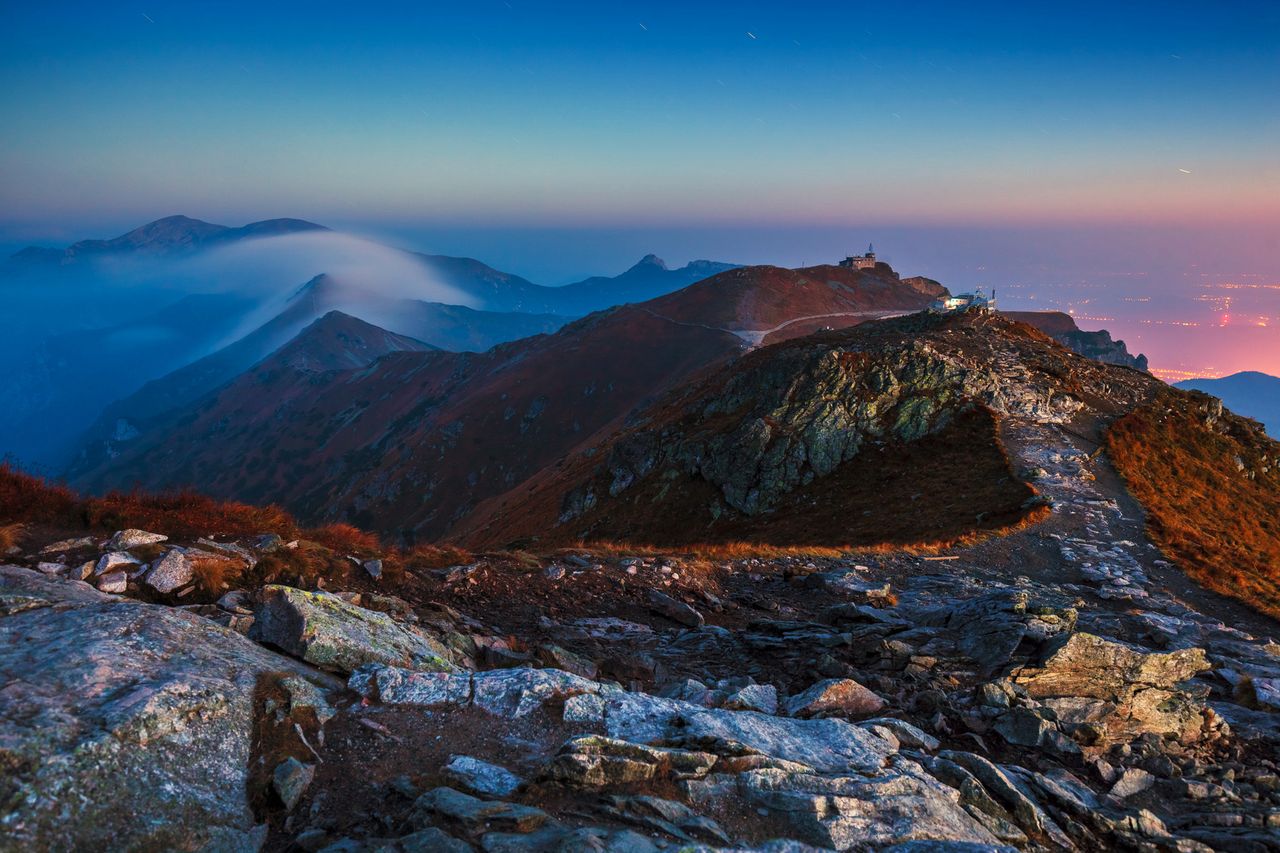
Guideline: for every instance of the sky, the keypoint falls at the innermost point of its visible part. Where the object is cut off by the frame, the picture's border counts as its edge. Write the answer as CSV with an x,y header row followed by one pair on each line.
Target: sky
x,y
518,113
1029,145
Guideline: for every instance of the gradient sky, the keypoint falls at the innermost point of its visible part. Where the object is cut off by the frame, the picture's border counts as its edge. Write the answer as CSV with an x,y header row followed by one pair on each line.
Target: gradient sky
x,y
522,114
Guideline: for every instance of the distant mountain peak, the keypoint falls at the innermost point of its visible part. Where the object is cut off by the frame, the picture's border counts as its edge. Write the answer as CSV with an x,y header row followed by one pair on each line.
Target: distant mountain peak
x,y
650,261
167,235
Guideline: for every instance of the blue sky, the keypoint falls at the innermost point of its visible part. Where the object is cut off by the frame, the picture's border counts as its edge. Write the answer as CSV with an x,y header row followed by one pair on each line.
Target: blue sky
x,y
510,113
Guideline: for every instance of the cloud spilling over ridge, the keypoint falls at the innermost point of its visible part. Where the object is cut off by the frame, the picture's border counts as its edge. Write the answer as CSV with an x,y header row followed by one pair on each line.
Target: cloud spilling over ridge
x,y
272,269
254,265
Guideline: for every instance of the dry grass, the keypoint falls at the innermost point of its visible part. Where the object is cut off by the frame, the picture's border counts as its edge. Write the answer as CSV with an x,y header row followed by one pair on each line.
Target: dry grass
x,y
345,538
1220,525
518,558
28,499
217,574
11,535
437,557
706,551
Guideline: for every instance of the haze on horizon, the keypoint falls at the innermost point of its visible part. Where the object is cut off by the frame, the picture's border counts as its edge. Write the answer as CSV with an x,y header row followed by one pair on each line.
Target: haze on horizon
x,y
1066,155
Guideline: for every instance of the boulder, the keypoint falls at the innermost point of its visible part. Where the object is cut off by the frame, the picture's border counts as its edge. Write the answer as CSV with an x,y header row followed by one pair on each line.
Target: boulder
x,y
395,686
1093,666
674,609
64,545
561,658
592,761
849,584
481,777
828,745
324,630
123,540
1133,780
473,815
835,696
1106,691
753,697
1006,788
861,813
519,691
116,561
172,571
113,582
116,709
990,628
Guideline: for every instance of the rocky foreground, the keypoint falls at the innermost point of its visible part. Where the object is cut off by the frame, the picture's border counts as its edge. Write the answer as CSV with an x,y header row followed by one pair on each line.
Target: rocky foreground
x,y
1054,690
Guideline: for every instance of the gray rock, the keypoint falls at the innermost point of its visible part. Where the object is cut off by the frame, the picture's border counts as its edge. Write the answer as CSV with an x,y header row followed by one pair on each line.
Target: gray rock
x,y
849,584
64,545
172,571
473,815
124,709
290,781
481,777
522,690
303,695
1132,781
673,609
324,630
860,813
1024,727
113,582
908,735
236,601
373,568
592,761
753,697
829,745
123,540
561,658
432,840
116,561
1012,795
395,686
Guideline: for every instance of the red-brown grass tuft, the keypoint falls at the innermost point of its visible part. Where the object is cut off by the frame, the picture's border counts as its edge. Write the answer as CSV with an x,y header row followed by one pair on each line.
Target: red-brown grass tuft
x,y
437,557
11,535
28,499
1210,485
345,538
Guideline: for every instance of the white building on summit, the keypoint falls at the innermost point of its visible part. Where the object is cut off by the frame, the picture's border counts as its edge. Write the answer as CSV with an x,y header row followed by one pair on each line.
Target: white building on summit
x,y
976,301
861,262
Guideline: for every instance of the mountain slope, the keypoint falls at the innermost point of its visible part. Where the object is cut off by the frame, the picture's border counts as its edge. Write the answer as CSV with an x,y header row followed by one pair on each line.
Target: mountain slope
x,y
884,432
450,327
332,346
411,444
1210,483
1249,393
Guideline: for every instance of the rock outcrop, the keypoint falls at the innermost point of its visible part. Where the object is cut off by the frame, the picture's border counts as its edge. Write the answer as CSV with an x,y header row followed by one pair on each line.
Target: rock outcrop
x,y
124,725
324,630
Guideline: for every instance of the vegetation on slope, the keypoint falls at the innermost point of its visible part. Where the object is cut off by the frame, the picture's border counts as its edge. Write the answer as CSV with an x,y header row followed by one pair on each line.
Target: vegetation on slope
x,y
1210,483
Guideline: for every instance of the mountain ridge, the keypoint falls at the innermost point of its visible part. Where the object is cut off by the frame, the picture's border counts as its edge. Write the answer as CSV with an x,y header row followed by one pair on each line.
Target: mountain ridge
x,y
516,408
